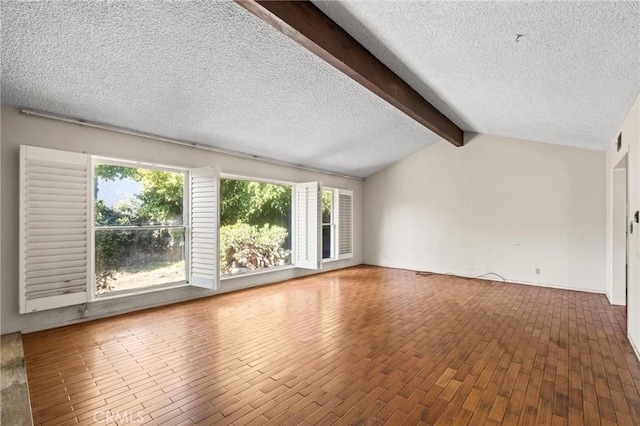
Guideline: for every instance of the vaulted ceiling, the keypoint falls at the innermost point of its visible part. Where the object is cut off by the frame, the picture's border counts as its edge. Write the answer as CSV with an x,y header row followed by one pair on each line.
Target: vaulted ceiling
x,y
213,73
560,72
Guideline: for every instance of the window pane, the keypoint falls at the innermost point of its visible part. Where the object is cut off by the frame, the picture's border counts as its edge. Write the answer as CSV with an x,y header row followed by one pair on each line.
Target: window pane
x,y
255,226
137,196
327,196
326,241
138,258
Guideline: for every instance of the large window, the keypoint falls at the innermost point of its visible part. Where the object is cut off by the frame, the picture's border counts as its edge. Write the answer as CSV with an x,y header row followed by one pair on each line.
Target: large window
x,y
96,227
139,227
337,232
255,226
92,227
328,225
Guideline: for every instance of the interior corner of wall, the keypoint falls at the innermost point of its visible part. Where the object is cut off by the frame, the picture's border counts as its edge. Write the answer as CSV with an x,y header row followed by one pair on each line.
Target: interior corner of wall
x,y
468,137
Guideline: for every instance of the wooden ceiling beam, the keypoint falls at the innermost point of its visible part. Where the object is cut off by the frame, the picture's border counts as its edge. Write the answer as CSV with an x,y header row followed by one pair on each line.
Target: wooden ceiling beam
x,y
309,26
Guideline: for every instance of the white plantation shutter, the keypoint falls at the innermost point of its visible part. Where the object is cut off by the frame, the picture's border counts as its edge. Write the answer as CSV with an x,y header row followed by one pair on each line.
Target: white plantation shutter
x,y
54,228
308,248
203,190
345,224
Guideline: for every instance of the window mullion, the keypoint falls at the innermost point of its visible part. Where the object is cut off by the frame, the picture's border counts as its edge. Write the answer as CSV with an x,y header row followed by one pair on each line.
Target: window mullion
x,y
134,228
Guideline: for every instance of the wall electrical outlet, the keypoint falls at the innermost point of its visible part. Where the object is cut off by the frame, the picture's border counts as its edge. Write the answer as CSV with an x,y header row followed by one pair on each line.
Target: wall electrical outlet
x,y
537,271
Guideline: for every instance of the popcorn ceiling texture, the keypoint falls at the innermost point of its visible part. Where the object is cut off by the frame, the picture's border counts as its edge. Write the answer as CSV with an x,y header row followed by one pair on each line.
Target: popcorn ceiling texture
x,y
212,73
200,71
570,79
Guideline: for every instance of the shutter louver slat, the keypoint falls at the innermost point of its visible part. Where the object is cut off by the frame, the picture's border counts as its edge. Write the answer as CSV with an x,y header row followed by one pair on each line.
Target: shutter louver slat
x,y
50,232
49,273
204,228
80,288
36,282
68,186
45,222
57,251
54,285
54,256
37,258
57,179
64,212
52,240
38,166
40,192
43,205
62,199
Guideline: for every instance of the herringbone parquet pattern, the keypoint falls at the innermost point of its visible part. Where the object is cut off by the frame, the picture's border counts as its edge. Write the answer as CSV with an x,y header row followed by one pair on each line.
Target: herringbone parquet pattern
x,y
364,345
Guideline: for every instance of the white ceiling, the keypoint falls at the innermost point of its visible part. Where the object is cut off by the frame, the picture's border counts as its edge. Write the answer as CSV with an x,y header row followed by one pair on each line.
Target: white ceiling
x,y
569,80
212,73
206,72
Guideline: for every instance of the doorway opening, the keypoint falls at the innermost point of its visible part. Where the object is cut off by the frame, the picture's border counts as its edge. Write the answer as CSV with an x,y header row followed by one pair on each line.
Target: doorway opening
x,y
620,233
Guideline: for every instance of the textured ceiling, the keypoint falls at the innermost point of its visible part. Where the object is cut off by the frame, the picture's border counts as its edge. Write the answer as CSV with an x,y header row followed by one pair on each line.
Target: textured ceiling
x,y
212,73
570,79
200,71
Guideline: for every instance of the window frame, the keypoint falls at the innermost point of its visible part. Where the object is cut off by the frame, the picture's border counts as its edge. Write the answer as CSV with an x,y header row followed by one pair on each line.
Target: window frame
x,y
248,178
346,193
334,226
204,195
186,213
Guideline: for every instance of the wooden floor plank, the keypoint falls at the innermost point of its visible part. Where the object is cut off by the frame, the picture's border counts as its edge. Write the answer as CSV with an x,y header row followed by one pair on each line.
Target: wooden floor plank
x,y
363,345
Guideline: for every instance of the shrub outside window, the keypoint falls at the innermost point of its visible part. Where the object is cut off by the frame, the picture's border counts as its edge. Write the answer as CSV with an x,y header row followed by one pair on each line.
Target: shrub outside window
x,y
255,225
139,227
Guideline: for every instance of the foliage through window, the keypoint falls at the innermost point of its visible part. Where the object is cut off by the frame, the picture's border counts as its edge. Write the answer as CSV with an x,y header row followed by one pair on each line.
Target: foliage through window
x,y
255,226
138,227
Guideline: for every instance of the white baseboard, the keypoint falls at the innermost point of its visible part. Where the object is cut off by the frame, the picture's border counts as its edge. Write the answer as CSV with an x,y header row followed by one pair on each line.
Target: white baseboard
x,y
506,279
635,349
548,285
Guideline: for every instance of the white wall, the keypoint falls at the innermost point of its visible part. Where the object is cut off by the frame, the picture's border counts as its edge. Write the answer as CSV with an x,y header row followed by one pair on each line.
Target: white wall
x,y
495,205
17,129
631,147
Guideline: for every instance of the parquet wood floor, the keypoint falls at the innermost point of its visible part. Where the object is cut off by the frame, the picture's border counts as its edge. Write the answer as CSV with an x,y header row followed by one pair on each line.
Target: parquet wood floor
x,y
363,345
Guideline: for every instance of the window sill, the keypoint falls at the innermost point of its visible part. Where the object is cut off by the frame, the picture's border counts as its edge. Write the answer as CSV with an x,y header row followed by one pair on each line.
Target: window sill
x,y
134,292
252,273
